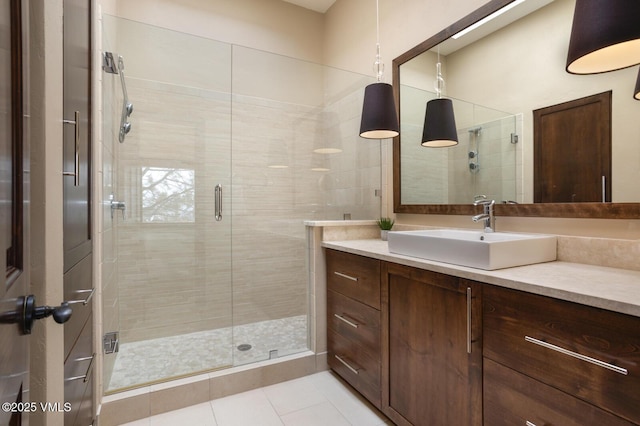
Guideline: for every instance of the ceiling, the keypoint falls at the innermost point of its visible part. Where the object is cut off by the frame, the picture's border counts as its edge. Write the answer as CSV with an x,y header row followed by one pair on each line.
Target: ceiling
x,y
317,5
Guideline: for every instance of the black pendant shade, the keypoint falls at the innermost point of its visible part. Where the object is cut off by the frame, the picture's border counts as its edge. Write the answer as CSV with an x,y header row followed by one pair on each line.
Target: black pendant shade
x,y
605,36
636,93
439,124
379,118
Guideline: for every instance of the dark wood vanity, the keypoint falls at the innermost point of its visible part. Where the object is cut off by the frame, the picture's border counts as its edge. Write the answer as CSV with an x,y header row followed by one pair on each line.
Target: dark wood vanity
x,y
428,348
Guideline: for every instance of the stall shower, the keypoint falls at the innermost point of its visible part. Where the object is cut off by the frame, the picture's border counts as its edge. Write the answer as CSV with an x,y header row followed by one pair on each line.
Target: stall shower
x,y
228,151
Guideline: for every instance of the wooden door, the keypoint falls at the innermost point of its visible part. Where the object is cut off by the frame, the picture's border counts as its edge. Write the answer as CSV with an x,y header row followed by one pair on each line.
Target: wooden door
x,y
572,151
14,346
432,359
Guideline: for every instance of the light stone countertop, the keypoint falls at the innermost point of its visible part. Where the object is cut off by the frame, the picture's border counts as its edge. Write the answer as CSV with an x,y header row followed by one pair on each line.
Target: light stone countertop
x,y
607,288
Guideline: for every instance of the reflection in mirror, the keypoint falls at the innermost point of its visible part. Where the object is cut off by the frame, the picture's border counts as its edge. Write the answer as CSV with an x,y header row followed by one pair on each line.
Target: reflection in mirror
x,y
517,67
485,161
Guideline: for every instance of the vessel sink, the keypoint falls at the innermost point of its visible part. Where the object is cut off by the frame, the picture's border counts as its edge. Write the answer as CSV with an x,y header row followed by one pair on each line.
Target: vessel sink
x,y
475,249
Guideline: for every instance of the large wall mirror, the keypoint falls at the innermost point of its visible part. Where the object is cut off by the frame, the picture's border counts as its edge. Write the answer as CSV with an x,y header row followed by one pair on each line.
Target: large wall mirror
x,y
497,75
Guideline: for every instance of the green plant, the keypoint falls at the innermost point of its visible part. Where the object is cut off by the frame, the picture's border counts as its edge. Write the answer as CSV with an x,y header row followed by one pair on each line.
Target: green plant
x,y
385,223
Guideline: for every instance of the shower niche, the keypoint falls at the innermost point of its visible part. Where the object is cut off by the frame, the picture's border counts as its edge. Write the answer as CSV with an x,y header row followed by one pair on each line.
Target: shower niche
x,y
206,268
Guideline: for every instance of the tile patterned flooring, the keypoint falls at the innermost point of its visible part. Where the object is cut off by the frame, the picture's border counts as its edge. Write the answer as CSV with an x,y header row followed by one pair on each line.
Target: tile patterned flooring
x,y
320,399
152,360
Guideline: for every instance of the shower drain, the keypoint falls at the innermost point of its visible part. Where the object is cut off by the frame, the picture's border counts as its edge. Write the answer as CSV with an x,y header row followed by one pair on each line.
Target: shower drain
x,y
244,347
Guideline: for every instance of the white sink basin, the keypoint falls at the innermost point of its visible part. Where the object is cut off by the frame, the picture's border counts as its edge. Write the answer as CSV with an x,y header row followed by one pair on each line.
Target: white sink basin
x,y
475,249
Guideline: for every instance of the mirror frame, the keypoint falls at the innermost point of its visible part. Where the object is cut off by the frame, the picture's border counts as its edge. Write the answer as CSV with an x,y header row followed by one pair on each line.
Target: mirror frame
x,y
560,210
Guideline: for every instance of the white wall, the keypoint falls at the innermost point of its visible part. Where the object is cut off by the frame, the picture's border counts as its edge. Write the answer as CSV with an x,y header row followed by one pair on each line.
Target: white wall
x,y
271,25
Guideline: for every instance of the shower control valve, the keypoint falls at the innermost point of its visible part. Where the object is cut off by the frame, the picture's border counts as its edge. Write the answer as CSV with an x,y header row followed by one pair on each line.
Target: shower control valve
x,y
117,205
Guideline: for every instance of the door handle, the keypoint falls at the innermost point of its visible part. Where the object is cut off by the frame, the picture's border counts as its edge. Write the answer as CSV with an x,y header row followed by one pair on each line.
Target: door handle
x,y
26,312
76,141
218,202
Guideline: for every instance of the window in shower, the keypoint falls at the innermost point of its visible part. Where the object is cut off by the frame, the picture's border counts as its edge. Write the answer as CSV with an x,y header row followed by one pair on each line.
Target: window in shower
x,y
168,195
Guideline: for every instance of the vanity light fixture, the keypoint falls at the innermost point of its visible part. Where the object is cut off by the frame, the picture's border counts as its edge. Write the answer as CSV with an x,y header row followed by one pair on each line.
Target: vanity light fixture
x,y
487,19
379,118
605,36
636,93
439,122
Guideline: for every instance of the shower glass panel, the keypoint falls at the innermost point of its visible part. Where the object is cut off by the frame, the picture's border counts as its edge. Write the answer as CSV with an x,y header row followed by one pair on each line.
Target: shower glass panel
x,y
173,269
190,288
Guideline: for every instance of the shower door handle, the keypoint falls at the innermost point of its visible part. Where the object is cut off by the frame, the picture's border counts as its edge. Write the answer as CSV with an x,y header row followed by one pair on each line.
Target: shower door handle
x,y
218,202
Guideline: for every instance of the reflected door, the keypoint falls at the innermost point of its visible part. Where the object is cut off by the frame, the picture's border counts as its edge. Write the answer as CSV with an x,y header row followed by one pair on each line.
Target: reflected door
x,y
572,151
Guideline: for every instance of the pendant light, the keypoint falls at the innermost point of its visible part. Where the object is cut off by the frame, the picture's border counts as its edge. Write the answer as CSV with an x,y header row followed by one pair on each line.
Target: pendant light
x,y
605,36
379,118
439,122
636,93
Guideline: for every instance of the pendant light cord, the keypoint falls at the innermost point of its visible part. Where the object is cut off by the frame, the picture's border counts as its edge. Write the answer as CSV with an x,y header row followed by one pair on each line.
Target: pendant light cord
x,y
439,83
378,64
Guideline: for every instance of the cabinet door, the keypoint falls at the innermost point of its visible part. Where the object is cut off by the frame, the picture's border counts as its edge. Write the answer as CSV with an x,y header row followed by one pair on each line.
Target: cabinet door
x,y
76,116
432,359
78,285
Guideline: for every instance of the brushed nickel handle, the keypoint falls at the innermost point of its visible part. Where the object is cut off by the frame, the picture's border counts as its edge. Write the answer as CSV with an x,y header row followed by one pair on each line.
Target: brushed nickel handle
x,y
469,297
346,276
528,423
581,357
218,202
85,300
346,364
342,318
76,172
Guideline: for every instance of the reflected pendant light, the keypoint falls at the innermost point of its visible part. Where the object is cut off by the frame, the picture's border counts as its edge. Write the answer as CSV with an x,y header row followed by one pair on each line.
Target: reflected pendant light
x,y
379,118
636,93
439,122
605,36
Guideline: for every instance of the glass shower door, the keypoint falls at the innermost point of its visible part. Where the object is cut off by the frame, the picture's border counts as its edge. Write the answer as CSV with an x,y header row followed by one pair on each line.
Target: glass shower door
x,y
173,173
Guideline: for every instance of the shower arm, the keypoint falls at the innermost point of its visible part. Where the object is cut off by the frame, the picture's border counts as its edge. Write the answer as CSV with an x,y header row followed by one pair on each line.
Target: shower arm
x,y
127,108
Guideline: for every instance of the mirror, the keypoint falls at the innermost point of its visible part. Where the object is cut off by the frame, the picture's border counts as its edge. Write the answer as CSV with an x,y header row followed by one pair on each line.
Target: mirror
x,y
499,73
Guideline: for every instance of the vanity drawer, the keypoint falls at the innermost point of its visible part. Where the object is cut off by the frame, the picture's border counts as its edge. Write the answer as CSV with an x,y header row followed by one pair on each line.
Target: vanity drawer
x,y
587,352
354,320
511,398
354,276
356,365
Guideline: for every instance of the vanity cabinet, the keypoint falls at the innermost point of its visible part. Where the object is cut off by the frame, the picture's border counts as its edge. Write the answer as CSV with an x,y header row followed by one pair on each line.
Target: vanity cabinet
x,y
432,351
353,321
549,361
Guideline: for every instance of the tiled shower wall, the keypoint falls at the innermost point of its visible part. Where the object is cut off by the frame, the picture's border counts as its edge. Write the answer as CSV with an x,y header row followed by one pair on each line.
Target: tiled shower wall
x,y
195,125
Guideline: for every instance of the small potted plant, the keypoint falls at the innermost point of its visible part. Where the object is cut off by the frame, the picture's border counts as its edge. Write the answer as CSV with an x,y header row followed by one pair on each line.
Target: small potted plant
x,y
385,224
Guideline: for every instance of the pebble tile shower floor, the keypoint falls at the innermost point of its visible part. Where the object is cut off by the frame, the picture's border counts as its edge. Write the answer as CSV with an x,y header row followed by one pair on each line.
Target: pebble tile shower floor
x,y
158,359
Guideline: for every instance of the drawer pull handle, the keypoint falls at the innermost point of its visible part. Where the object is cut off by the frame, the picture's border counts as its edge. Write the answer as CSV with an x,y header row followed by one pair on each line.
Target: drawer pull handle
x,y
341,318
528,423
346,364
469,320
345,276
597,362
83,301
86,375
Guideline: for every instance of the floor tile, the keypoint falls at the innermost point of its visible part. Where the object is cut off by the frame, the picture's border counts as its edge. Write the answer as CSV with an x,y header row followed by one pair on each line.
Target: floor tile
x,y
294,395
323,414
200,415
250,408
348,402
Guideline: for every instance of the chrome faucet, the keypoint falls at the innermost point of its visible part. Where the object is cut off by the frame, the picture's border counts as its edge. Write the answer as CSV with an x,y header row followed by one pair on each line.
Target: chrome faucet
x,y
487,214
